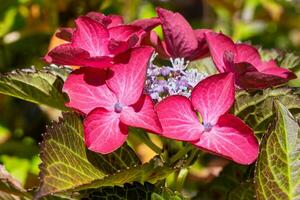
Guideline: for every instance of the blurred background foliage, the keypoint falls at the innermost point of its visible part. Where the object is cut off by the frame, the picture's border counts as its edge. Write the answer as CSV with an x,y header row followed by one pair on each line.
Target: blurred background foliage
x,y
26,28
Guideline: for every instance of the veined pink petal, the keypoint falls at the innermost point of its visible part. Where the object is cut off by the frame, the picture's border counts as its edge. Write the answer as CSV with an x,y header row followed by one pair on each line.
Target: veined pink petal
x,y
103,131
90,36
220,47
127,80
272,68
87,90
141,115
178,119
231,138
66,54
213,96
146,24
179,36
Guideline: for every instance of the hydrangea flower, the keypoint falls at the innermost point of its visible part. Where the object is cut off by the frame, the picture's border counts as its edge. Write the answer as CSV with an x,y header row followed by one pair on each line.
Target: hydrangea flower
x,y
112,100
245,62
180,40
97,39
216,131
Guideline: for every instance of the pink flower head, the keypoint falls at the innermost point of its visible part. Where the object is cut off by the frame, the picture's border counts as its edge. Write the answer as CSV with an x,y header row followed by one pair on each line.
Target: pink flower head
x,y
245,62
113,100
110,21
180,40
220,133
93,44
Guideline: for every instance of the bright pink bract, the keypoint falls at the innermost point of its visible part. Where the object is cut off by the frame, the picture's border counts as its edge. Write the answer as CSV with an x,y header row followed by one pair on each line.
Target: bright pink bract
x,y
219,132
245,62
113,100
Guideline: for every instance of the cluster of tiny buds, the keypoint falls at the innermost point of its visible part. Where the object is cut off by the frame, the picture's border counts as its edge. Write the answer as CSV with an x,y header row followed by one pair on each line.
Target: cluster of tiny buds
x,y
163,81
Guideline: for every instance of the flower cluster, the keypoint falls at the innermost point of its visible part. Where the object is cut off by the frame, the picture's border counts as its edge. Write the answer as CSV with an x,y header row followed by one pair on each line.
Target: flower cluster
x,y
170,80
118,84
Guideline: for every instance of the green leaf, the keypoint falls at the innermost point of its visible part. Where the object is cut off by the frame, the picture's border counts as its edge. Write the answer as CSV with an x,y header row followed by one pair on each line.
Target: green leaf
x,y
230,177
205,65
244,191
10,188
256,108
68,166
37,86
132,191
278,166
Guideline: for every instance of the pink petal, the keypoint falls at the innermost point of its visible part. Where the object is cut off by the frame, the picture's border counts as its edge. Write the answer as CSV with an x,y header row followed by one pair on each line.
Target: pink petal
x,y
179,36
66,54
220,47
65,33
124,37
202,49
247,53
103,131
106,21
116,20
213,96
153,40
90,36
87,90
127,80
99,17
270,67
260,80
141,115
178,119
146,24
231,138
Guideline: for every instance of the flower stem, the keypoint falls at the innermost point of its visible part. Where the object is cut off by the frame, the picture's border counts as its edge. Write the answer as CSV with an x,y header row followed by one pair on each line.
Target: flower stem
x,y
191,158
183,173
180,154
142,135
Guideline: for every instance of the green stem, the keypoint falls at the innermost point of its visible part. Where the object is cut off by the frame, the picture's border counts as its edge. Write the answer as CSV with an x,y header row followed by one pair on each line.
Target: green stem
x,y
194,153
180,154
183,173
145,139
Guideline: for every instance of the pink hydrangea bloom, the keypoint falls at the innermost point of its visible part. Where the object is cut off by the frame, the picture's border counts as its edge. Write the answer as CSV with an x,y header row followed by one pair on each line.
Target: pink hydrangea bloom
x,y
220,133
97,40
245,62
180,40
112,100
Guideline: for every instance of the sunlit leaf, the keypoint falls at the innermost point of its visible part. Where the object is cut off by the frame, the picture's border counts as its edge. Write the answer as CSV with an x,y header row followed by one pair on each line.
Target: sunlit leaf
x,y
278,167
11,188
68,166
37,86
256,108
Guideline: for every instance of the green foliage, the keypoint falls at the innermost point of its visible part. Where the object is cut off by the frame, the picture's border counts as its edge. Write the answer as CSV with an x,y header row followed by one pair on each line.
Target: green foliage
x,y
256,108
68,166
147,191
292,62
278,171
230,178
244,191
11,188
37,86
